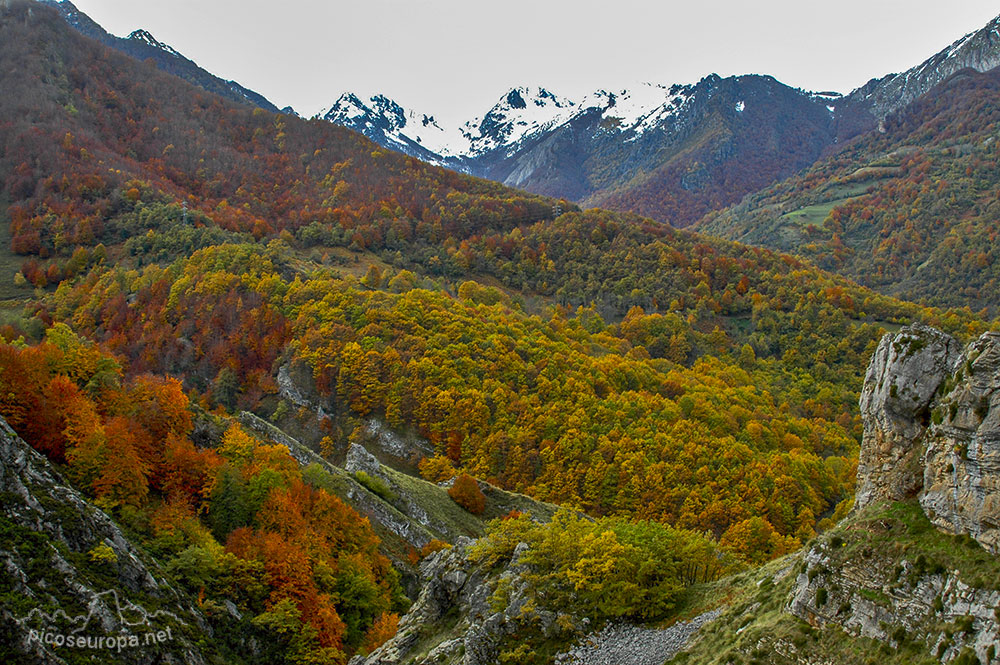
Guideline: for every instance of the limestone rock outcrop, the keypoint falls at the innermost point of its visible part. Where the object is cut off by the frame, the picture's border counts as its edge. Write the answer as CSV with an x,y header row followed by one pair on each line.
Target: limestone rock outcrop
x,y
931,441
869,595
901,382
932,430
961,483
453,620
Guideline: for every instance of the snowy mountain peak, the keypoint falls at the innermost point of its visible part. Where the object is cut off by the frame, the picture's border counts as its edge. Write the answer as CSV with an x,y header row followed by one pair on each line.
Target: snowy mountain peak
x,y
639,108
515,100
519,113
387,122
144,36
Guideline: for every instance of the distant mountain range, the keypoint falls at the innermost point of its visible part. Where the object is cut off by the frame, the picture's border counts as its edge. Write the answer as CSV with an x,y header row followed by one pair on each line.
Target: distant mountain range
x,y
671,152
665,151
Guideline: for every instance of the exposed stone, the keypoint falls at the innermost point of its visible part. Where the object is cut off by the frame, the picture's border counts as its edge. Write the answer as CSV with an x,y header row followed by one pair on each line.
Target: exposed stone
x,y
359,459
403,448
900,384
627,644
932,432
453,620
932,429
961,483
864,597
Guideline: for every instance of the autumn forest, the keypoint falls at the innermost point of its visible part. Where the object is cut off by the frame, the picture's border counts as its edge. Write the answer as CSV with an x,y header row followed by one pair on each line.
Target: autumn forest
x,y
168,253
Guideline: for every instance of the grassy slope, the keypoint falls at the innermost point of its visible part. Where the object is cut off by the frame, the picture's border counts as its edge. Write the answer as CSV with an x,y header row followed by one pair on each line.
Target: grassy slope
x,y
448,520
756,628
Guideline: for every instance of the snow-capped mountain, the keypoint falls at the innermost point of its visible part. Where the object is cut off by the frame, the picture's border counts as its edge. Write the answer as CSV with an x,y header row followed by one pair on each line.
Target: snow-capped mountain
x,y
144,37
580,149
520,113
406,130
635,110
673,152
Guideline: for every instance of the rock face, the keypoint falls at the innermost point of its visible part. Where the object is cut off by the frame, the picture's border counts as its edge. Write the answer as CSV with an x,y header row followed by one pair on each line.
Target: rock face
x,y
961,483
932,430
932,445
902,379
869,597
452,620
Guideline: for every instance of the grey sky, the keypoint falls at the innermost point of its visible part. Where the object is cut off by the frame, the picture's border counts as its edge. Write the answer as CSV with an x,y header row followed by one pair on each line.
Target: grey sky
x,y
455,58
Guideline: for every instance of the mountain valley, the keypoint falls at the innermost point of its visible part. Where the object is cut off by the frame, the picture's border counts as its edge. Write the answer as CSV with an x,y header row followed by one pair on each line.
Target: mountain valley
x,y
697,373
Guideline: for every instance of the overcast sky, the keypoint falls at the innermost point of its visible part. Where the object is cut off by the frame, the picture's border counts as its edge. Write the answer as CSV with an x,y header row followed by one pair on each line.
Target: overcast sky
x,y
455,58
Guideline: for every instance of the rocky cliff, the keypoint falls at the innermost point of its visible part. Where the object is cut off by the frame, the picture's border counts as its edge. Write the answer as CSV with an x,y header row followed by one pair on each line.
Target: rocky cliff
x,y
901,382
452,620
932,430
915,566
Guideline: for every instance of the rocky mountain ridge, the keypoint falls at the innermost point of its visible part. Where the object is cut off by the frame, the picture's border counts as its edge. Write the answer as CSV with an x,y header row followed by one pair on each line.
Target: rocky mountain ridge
x,y
141,45
612,144
979,50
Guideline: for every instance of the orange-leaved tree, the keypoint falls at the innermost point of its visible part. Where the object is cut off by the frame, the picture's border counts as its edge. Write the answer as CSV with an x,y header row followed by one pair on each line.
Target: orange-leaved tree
x,y
466,493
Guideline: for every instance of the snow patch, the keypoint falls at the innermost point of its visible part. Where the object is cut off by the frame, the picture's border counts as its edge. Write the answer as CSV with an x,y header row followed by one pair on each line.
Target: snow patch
x,y
144,36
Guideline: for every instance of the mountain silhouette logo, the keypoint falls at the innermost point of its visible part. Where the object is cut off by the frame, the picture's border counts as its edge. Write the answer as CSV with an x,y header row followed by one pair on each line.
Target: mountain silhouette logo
x,y
109,623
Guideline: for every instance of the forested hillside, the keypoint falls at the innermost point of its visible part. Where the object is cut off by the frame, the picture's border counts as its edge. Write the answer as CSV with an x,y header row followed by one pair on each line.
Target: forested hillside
x,y
237,524
676,329
910,212
598,360
99,148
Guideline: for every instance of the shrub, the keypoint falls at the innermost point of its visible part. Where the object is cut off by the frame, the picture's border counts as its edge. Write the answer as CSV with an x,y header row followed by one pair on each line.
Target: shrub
x,y
375,485
102,553
466,493
434,545
437,468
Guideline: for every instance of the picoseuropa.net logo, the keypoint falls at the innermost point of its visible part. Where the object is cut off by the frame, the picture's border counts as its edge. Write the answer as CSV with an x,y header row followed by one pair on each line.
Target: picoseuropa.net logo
x,y
97,629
